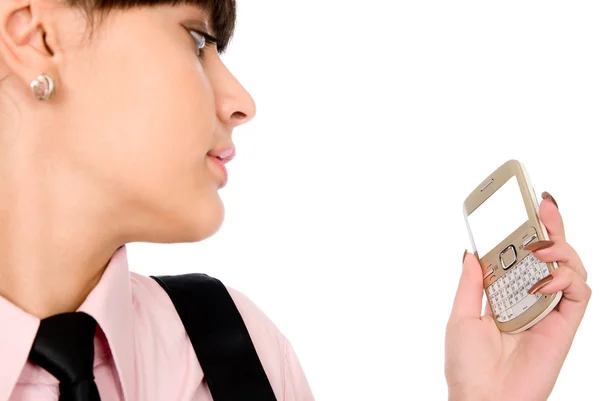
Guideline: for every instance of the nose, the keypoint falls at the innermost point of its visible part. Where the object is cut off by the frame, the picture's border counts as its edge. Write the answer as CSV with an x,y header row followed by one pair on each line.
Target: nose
x,y
235,106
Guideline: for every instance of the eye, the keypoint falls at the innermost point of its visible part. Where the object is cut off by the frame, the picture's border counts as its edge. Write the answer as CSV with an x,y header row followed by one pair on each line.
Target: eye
x,y
201,39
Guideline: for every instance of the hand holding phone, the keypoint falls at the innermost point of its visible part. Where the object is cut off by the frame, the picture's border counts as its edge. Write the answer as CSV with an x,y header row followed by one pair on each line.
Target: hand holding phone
x,y
502,217
485,363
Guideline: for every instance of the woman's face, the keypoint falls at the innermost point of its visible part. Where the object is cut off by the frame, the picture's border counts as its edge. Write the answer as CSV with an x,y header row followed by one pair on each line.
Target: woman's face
x,y
139,116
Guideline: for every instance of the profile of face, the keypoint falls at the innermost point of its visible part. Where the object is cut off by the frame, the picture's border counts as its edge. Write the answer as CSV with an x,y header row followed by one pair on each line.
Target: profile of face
x,y
143,112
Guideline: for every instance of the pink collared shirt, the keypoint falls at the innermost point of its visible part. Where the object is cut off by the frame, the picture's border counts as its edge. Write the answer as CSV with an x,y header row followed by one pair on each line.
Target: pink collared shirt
x,y
142,352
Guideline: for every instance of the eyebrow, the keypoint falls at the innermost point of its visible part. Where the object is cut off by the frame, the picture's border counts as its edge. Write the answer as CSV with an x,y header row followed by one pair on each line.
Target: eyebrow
x,y
201,26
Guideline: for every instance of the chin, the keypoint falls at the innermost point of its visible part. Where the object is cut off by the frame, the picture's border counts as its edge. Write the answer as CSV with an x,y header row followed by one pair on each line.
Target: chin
x,y
206,221
190,218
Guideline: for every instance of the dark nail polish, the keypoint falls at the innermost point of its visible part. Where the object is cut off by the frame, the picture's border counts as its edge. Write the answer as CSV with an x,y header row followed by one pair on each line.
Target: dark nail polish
x,y
464,256
538,245
546,195
542,283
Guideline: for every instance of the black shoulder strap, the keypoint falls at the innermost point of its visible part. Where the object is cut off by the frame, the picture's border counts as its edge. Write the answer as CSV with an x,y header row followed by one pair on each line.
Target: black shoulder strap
x,y
219,336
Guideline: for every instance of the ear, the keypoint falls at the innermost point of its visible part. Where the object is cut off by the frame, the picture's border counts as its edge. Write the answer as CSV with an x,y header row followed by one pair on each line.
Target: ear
x,y
23,46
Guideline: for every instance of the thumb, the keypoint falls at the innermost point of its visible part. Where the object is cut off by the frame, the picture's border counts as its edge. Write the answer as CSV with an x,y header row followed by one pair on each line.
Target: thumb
x,y
467,302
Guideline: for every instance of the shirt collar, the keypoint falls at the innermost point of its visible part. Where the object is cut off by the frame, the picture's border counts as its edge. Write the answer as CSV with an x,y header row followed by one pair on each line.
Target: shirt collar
x,y
16,339
110,303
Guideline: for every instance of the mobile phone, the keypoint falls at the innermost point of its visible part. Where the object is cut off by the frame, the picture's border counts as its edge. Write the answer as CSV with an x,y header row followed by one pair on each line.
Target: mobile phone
x,y
502,216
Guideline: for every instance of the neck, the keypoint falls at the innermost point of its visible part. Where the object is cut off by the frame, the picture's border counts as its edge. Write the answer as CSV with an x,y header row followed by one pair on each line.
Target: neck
x,y
54,246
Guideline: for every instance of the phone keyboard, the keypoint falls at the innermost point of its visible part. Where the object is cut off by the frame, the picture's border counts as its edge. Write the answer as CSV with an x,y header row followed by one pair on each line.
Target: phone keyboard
x,y
508,295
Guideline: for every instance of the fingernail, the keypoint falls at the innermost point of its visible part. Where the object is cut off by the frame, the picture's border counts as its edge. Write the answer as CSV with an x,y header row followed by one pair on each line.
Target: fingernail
x,y
542,283
464,256
539,245
546,195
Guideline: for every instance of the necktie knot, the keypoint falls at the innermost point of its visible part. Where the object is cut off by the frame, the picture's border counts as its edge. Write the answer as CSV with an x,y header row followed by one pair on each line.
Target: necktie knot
x,y
64,346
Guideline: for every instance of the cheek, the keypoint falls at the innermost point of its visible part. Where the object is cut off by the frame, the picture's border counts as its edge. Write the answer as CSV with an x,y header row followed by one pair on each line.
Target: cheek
x,y
140,126
156,118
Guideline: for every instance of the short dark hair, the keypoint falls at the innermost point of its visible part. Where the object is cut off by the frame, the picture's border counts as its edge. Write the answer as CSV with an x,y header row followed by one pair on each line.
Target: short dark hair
x,y
222,12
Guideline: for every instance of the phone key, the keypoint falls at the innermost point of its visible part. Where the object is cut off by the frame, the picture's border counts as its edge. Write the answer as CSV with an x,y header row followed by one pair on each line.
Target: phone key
x,y
502,317
525,304
509,314
523,294
532,299
529,240
519,296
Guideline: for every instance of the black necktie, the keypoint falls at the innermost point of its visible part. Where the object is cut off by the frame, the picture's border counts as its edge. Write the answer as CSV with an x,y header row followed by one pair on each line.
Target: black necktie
x,y
64,346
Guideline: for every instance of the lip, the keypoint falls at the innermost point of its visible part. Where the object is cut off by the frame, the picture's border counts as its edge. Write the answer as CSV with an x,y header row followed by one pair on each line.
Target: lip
x,y
220,164
220,157
224,154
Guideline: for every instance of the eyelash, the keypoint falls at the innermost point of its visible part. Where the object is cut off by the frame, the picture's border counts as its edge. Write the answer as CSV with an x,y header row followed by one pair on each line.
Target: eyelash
x,y
208,40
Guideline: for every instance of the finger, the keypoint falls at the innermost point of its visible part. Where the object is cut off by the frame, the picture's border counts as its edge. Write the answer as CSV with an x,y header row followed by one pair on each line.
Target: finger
x,y
552,220
576,294
563,253
467,302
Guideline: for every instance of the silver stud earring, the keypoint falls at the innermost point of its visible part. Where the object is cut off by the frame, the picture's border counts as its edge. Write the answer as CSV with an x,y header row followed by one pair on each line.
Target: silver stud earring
x,y
43,87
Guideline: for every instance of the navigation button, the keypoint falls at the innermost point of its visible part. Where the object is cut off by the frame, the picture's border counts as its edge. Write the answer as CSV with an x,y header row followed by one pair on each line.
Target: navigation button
x,y
508,256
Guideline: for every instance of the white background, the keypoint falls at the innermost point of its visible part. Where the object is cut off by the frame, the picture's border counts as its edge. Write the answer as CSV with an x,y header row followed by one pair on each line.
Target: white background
x,y
375,120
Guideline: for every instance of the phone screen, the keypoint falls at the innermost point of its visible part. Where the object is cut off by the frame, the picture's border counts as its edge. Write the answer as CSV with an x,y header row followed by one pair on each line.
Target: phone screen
x,y
498,217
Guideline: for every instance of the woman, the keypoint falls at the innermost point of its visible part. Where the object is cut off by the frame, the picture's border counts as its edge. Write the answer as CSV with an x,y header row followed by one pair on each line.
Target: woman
x,y
117,118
